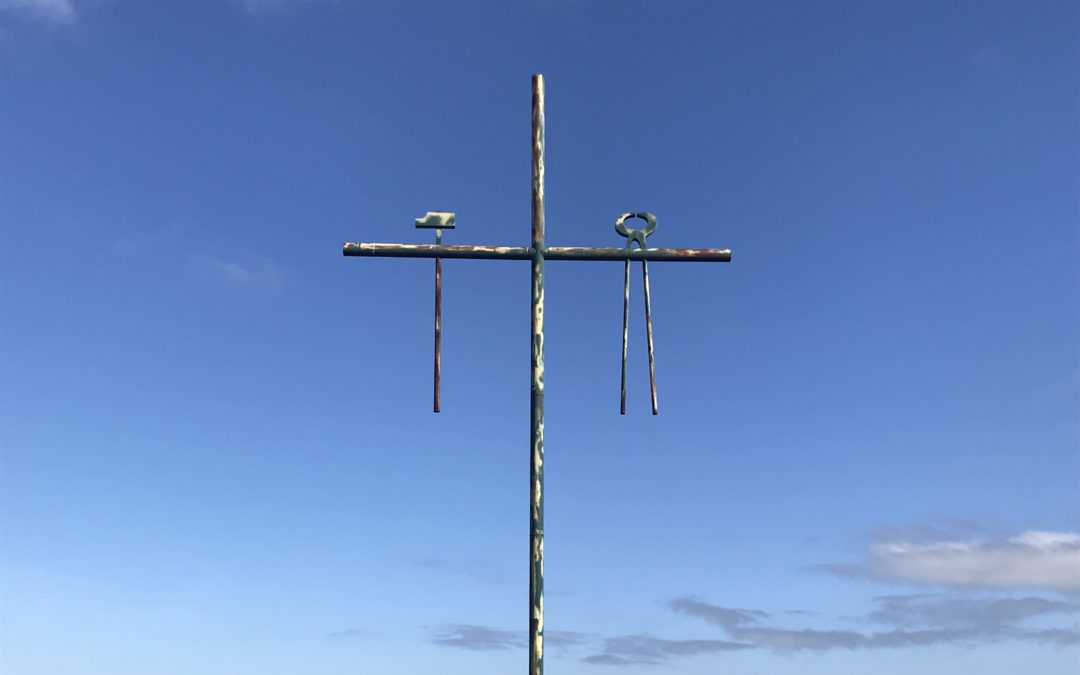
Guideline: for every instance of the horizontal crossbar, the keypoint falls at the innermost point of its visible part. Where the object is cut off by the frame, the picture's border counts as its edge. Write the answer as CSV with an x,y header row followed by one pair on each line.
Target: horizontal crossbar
x,y
526,252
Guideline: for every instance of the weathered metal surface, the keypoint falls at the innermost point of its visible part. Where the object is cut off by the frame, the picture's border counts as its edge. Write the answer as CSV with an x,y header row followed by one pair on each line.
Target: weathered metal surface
x,y
445,220
438,323
636,234
651,254
648,333
625,333
429,251
536,389
538,254
437,220
350,249
639,237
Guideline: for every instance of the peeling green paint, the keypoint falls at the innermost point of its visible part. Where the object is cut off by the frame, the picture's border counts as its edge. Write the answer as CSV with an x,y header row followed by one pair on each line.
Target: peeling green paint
x,y
536,417
650,254
352,249
446,220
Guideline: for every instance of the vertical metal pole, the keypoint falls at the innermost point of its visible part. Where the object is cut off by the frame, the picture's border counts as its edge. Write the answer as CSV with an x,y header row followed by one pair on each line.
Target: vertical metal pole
x,y
625,330
536,390
648,332
438,320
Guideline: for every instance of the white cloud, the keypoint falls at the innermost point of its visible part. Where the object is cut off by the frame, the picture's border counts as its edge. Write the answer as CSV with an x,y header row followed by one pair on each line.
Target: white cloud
x,y
59,11
1031,560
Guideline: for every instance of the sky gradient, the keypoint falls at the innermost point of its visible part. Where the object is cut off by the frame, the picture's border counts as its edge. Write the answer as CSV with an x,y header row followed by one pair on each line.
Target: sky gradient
x,y
218,455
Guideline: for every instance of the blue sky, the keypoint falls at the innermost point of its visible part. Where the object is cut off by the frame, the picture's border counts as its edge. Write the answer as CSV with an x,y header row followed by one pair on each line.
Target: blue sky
x,y
218,450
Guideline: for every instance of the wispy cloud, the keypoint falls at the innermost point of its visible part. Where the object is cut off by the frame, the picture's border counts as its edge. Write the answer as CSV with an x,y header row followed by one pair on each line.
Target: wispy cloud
x,y
896,621
908,621
173,245
943,555
484,638
56,11
956,611
1033,559
477,570
801,612
903,621
642,649
939,528
727,618
250,273
477,638
347,634
566,639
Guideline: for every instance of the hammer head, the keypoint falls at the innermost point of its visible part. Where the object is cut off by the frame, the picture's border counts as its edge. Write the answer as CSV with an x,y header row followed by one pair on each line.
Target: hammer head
x,y
437,219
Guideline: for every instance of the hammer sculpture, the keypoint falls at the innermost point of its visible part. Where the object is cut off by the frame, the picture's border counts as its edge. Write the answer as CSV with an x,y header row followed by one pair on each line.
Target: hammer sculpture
x,y
438,220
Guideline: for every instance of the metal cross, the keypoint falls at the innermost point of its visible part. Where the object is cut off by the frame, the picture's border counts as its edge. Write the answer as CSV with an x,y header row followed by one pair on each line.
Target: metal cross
x,y
538,252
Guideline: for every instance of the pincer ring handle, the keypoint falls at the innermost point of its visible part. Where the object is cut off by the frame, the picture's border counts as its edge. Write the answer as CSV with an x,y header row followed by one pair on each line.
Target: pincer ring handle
x,y
635,234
